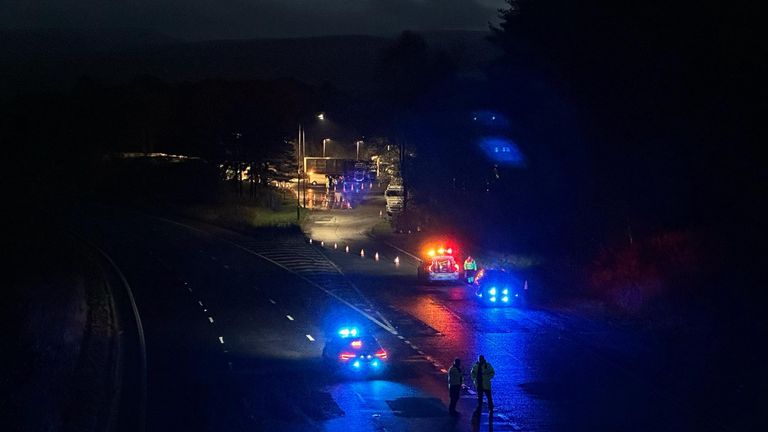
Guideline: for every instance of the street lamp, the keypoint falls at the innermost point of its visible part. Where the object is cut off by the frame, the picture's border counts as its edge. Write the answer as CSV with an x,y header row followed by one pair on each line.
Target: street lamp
x,y
325,141
301,153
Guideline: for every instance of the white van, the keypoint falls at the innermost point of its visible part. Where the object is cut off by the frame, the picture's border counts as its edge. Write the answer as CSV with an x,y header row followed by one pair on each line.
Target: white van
x,y
395,195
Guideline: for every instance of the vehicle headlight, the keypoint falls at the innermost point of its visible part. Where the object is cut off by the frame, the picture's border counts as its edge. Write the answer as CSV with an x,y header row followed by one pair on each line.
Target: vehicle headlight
x,y
493,299
505,291
492,291
505,299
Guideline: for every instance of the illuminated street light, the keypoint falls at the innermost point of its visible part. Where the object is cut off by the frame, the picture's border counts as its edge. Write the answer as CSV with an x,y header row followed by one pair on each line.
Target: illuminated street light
x,y
321,116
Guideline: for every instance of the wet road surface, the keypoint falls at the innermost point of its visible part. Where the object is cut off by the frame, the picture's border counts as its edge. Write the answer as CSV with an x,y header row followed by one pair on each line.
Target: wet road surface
x,y
235,326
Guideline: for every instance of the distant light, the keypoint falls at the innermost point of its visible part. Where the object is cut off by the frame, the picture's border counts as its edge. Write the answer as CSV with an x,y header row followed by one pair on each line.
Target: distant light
x,y
321,116
357,344
502,150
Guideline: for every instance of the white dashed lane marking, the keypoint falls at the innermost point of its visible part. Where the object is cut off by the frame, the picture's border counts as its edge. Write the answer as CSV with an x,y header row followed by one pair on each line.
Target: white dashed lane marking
x,y
200,302
290,318
221,339
210,319
311,339
272,301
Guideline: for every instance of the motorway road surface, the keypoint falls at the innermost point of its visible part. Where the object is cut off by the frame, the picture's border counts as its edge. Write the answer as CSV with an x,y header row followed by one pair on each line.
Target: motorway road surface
x,y
235,326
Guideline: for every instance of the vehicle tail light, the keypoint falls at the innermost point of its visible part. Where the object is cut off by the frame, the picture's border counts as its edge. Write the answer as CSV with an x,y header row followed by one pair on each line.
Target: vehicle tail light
x,y
357,344
381,354
347,356
456,266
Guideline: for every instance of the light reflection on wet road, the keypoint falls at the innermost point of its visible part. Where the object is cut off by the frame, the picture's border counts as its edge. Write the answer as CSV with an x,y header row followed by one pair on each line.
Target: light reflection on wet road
x,y
253,367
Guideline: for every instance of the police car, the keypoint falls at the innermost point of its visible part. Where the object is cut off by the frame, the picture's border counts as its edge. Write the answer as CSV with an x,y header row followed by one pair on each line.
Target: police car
x,y
499,288
439,266
355,352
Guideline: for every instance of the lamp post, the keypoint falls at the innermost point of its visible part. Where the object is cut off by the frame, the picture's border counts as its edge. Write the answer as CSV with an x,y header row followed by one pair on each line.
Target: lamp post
x,y
301,150
325,141
358,149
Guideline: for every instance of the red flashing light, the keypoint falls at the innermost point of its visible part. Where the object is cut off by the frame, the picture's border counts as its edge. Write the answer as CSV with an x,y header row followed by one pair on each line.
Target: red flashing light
x,y
381,354
347,356
456,266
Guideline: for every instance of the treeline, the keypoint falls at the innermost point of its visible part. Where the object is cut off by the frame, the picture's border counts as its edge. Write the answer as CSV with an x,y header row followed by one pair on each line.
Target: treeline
x,y
63,138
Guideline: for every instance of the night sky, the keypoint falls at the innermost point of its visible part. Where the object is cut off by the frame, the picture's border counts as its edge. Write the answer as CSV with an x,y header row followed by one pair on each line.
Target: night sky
x,y
234,19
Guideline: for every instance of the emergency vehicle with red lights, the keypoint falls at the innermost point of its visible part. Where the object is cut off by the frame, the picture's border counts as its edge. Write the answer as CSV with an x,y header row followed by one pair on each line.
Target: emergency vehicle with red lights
x,y
440,265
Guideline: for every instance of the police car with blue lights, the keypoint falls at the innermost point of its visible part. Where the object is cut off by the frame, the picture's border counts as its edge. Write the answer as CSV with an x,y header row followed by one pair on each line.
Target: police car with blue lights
x,y
352,350
499,288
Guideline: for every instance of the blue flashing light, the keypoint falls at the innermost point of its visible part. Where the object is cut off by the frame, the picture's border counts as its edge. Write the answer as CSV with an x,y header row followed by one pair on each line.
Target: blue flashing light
x,y
505,299
347,332
356,364
375,363
502,151
492,291
493,299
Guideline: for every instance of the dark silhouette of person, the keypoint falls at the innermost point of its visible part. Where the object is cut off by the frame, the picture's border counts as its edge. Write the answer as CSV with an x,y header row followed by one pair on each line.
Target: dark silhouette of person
x,y
455,380
482,374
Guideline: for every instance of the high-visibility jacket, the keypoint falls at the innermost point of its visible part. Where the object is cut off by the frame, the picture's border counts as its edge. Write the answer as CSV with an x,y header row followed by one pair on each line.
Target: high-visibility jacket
x,y
483,374
454,376
470,264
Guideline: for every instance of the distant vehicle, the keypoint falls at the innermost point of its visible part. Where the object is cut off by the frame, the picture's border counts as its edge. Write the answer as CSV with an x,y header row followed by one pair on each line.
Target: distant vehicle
x,y
498,288
355,352
395,195
361,172
317,169
439,266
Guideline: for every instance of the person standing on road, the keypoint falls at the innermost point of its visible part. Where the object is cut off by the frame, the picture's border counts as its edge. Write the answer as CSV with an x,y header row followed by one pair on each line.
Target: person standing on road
x,y
470,268
455,380
482,374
